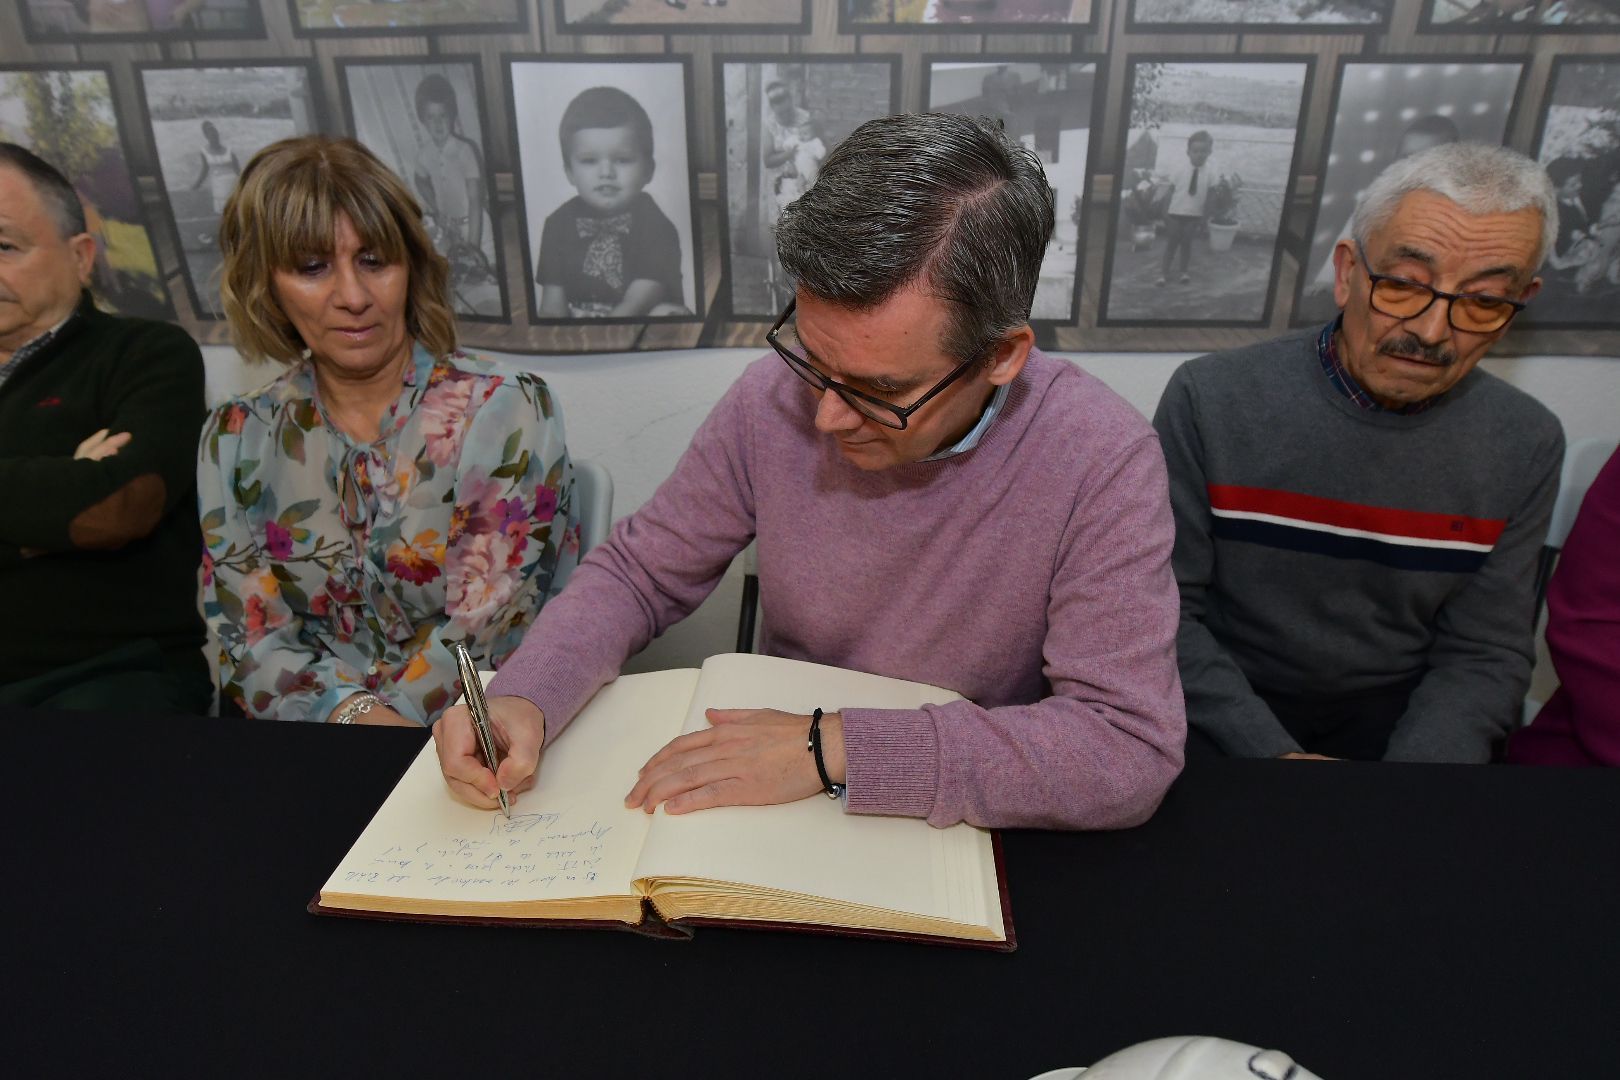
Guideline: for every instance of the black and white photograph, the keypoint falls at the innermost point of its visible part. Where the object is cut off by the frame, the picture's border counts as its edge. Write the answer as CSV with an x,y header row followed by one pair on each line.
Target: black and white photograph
x,y
68,117
606,188
1051,107
1208,163
369,17
976,16
1580,146
425,122
1521,16
781,118
1384,112
207,123
683,16
126,20
1315,15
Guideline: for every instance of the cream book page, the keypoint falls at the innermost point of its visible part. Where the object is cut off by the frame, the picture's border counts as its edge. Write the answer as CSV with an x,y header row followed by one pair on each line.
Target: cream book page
x,y
811,847
569,836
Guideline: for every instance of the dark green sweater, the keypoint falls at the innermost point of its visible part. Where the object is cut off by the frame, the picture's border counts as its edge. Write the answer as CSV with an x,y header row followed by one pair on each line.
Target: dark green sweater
x,y
95,554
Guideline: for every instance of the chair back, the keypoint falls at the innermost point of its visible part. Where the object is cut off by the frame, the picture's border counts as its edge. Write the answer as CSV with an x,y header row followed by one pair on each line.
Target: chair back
x,y
748,617
593,502
1583,460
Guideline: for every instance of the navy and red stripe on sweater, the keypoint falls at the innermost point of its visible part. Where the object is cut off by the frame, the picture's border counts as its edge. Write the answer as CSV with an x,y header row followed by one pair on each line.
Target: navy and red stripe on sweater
x,y
1402,539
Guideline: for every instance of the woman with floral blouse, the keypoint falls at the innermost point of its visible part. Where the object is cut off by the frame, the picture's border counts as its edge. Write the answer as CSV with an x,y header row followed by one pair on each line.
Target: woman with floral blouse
x,y
386,496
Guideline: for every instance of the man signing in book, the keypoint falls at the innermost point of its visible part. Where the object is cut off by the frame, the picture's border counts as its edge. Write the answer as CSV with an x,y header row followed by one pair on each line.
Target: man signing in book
x,y
933,499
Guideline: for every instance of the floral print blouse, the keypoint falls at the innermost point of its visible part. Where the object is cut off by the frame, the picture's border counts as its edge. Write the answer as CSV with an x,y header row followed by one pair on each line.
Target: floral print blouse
x,y
333,567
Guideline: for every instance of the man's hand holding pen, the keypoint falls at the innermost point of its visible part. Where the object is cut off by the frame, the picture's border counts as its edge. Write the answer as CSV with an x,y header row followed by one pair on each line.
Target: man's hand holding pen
x,y
519,728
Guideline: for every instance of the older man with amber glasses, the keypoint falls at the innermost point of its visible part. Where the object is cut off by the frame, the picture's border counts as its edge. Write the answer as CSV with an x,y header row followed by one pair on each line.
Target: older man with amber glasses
x,y
1358,510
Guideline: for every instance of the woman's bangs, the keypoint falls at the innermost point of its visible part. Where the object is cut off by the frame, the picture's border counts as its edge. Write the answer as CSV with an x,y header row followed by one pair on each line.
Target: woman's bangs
x,y
307,217
375,222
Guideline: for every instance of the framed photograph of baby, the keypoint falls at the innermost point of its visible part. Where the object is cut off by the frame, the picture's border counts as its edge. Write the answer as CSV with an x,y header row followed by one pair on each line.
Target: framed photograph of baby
x,y
207,123
1053,106
1284,16
966,16
605,186
1578,142
781,117
323,18
68,116
1382,112
1209,157
138,20
1520,16
425,121
683,16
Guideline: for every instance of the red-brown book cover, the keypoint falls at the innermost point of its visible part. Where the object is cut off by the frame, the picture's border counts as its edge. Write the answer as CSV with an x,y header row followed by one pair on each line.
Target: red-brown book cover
x,y
571,853
654,926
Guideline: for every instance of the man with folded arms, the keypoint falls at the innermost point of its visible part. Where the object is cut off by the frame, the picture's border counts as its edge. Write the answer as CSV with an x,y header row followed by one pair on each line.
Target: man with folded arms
x,y
933,499
99,542
1358,510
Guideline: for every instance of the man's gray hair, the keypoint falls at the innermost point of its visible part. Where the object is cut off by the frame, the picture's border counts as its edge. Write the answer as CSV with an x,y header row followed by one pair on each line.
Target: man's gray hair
x,y
61,201
1479,177
948,203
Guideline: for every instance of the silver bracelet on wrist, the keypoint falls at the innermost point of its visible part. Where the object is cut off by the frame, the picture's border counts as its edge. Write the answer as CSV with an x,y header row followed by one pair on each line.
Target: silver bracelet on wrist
x,y
355,706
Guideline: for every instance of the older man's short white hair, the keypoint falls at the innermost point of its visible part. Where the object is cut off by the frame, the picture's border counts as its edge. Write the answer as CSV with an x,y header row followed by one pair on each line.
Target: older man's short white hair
x,y
1480,178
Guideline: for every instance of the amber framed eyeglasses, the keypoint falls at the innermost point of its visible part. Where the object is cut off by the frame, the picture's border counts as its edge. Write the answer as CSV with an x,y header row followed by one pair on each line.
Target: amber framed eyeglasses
x,y
1402,298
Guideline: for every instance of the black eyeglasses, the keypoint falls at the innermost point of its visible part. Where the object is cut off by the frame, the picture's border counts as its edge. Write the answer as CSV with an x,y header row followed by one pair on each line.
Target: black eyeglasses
x,y
1400,298
872,408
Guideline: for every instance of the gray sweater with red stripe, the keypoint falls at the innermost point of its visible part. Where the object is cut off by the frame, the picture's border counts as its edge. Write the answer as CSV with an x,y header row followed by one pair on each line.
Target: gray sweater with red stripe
x,y
1324,549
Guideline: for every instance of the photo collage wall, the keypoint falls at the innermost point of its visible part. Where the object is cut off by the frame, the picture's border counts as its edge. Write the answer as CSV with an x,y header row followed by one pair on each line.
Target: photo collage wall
x,y
605,175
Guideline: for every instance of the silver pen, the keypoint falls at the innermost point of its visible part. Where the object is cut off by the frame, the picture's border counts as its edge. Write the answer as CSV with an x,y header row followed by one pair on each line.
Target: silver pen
x,y
473,690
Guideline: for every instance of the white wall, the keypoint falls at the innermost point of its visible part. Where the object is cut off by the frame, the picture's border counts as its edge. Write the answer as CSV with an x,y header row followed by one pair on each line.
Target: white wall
x,y
636,412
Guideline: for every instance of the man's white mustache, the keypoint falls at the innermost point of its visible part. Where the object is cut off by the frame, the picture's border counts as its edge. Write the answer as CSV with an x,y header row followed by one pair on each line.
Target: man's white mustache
x,y
1411,346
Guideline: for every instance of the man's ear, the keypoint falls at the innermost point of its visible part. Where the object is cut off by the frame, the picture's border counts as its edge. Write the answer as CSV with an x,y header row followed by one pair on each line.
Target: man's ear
x,y
83,247
1530,290
1344,268
1011,353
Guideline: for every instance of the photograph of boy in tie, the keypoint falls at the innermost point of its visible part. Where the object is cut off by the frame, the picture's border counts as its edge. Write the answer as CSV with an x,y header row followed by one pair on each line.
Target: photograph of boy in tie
x,y
1189,191
609,251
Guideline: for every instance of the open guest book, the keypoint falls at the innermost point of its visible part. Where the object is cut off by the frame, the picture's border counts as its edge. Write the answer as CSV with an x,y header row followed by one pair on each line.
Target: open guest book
x,y
572,855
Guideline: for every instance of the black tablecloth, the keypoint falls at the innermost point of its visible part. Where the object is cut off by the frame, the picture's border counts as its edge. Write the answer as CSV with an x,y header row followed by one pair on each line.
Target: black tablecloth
x,y
1372,920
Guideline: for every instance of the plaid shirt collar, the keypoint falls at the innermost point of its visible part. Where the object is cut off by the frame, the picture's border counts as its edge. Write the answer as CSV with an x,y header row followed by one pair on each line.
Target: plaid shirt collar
x,y
1339,376
34,347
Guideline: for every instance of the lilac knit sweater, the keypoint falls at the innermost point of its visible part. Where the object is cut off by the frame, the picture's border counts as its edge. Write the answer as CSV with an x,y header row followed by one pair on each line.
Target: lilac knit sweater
x,y
1030,574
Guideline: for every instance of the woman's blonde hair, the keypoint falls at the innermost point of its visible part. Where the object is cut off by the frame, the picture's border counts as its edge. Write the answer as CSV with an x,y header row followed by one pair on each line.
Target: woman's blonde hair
x,y
285,208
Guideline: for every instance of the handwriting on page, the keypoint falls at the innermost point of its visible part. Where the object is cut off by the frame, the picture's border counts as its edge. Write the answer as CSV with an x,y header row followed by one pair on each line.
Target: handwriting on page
x,y
538,852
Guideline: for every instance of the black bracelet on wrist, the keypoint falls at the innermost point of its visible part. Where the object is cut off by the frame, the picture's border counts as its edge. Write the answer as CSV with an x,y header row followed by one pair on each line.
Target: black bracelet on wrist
x,y
813,744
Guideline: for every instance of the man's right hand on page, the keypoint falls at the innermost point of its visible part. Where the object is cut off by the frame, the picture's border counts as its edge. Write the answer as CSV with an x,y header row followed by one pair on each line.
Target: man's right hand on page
x,y
520,730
